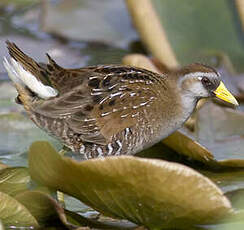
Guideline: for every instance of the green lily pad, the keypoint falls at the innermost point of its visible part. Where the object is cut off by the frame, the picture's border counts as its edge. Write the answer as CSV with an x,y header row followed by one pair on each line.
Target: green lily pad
x,y
14,180
43,207
189,147
13,213
144,191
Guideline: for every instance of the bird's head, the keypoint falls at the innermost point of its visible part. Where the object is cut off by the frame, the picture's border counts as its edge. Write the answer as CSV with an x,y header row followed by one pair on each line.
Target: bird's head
x,y
200,81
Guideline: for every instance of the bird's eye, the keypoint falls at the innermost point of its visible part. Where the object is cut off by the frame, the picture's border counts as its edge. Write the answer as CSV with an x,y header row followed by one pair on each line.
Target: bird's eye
x,y
206,82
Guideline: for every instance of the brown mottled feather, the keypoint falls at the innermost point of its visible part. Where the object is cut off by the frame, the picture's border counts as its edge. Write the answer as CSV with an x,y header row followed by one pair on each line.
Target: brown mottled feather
x,y
84,105
106,110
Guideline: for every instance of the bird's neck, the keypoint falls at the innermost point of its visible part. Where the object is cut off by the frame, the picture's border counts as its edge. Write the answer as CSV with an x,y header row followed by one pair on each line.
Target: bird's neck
x,y
188,104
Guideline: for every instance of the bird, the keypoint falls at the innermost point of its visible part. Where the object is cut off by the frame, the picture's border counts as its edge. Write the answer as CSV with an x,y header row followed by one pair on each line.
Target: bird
x,y
109,110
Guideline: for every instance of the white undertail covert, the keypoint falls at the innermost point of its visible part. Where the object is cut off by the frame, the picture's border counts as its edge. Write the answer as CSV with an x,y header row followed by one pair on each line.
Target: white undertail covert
x,y
20,76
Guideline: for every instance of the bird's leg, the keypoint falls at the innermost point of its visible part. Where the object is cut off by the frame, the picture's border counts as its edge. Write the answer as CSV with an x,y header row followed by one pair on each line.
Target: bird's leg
x,y
60,195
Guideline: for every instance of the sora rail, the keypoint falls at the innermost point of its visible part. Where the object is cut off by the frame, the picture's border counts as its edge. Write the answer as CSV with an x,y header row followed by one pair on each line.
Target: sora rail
x,y
110,109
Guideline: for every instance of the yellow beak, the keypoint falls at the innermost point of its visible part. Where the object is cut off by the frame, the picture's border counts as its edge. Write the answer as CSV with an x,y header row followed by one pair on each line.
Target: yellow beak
x,y
222,93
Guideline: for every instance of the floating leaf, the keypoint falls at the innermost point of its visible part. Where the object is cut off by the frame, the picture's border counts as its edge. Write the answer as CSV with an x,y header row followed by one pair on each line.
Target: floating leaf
x,y
43,207
232,163
187,146
14,213
14,180
144,191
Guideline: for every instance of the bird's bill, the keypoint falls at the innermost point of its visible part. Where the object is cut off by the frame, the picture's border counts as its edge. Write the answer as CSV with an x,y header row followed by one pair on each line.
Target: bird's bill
x,y
222,93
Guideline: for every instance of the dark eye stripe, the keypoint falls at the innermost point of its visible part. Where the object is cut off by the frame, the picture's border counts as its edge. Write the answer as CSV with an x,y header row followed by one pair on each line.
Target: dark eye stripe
x,y
210,84
206,82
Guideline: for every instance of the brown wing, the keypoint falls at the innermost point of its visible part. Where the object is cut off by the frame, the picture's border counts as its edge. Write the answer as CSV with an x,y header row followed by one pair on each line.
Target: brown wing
x,y
96,102
99,102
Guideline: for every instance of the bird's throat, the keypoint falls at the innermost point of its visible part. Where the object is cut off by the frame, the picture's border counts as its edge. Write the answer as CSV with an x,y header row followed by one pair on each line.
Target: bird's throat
x,y
189,104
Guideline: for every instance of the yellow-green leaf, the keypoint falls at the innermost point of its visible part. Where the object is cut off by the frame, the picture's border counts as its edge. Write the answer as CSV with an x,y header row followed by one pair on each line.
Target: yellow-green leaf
x,y
14,180
187,146
14,213
43,207
153,193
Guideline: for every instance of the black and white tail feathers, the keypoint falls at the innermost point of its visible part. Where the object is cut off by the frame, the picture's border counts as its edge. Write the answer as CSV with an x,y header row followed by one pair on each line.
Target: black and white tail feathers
x,y
25,72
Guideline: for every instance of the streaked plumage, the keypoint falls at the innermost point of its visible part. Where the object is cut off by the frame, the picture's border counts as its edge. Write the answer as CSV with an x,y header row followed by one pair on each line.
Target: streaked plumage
x,y
107,110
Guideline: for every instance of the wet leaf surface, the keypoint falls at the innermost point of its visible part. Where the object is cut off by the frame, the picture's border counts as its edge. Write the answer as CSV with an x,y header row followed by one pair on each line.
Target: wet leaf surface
x,y
13,213
14,180
115,187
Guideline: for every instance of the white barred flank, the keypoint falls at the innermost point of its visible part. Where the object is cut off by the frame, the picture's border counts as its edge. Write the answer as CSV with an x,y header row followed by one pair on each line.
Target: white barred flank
x,y
20,76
